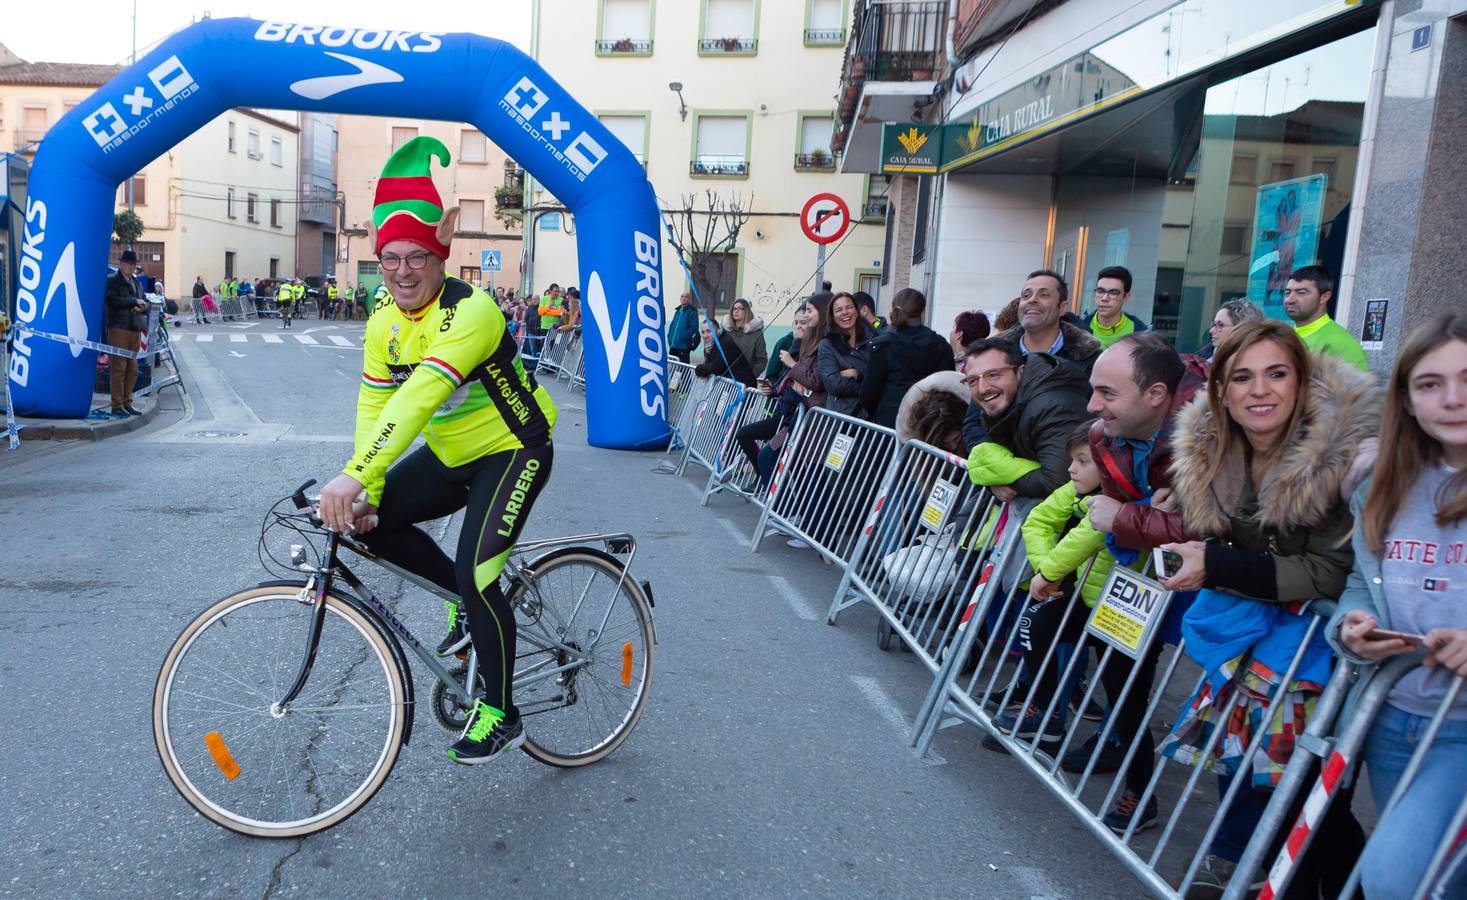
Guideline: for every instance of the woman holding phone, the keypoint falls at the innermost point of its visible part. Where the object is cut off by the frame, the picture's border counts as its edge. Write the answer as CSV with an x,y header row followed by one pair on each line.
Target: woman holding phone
x,y
1410,579
1261,468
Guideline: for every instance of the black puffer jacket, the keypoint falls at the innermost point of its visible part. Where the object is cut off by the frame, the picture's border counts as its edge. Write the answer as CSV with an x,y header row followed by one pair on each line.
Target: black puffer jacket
x,y
723,357
899,358
1081,349
843,395
1037,425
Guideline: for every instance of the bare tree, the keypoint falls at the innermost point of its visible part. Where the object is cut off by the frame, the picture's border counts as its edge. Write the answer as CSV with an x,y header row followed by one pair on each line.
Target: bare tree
x,y
702,236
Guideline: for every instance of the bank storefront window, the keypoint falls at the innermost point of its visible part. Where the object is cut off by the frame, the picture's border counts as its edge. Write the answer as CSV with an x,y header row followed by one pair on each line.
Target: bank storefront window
x,y
1295,127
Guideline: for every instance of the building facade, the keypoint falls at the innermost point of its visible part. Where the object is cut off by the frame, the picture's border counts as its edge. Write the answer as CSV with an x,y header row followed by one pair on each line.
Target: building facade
x,y
478,170
1209,146
220,203
728,96
318,212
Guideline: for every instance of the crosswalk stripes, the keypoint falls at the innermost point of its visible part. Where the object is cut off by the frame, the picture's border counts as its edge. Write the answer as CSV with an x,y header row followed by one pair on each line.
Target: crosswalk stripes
x,y
331,341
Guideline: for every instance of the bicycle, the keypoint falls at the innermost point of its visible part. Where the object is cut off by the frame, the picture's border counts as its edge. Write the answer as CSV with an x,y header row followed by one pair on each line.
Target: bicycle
x,y
281,709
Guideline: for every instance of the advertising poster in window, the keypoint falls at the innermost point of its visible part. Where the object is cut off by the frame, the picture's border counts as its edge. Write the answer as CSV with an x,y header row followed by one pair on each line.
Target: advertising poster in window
x,y
1286,224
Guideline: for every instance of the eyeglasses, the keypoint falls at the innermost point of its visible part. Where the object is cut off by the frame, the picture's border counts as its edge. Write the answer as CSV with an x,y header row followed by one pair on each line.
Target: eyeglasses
x,y
1111,294
1216,325
991,376
413,260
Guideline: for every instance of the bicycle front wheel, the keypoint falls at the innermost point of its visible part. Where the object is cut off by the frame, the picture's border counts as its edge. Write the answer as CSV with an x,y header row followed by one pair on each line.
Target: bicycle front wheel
x,y
248,764
584,664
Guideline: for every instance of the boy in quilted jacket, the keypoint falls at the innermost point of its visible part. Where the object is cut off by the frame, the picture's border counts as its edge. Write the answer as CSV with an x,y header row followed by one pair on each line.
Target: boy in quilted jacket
x,y
1060,544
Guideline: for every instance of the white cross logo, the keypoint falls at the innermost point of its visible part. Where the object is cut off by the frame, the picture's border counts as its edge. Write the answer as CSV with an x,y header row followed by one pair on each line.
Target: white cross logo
x,y
556,126
137,101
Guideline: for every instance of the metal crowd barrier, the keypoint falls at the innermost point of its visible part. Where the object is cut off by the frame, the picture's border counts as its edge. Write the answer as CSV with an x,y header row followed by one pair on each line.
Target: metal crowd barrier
x,y
578,377
929,544
826,481
549,352
1124,629
715,409
731,470
1339,750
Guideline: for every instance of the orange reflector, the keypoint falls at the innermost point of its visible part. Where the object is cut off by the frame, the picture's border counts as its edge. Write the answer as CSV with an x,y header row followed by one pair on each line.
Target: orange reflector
x,y
626,663
222,757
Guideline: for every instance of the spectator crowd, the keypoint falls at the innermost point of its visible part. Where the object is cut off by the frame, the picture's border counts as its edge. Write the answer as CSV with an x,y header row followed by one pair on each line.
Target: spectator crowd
x,y
1271,469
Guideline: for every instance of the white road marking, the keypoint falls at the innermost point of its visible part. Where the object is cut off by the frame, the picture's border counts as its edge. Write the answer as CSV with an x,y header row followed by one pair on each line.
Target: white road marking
x,y
236,354
340,341
793,598
238,338
733,531
1039,885
273,338
306,339
886,707
204,338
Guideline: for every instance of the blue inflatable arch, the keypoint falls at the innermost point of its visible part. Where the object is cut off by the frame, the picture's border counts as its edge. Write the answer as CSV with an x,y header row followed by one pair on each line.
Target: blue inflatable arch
x,y
197,74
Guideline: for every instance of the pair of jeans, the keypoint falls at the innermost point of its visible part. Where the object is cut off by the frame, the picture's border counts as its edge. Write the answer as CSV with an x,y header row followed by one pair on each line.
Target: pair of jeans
x,y
124,369
1402,846
1325,867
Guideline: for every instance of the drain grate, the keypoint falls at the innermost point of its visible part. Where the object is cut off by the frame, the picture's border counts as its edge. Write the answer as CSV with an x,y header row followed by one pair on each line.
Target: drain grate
x,y
215,434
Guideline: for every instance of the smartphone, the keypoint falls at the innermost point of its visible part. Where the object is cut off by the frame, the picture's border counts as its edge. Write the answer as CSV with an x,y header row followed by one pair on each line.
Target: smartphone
x,y
1384,634
1165,563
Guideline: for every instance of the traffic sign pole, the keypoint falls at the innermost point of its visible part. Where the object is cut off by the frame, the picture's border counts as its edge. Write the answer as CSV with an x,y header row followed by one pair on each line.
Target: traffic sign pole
x,y
819,267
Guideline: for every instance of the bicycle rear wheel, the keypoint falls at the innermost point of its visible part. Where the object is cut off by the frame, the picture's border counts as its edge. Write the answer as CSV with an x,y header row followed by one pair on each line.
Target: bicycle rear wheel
x,y
572,617
241,760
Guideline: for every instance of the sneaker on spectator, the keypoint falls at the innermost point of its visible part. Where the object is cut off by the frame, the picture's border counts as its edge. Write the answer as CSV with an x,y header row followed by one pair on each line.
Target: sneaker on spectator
x,y
1213,877
1126,808
797,544
1109,761
1094,711
1054,729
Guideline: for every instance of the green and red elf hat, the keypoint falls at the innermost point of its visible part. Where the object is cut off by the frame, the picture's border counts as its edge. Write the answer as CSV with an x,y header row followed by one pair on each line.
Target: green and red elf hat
x,y
407,206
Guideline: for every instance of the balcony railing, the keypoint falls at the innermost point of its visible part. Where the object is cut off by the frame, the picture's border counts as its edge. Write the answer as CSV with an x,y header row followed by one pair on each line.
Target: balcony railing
x,y
508,198
819,162
891,41
623,46
24,136
720,165
728,45
875,208
825,37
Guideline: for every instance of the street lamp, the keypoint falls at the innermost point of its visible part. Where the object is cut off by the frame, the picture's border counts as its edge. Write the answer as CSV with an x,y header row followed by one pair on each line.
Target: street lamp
x,y
677,88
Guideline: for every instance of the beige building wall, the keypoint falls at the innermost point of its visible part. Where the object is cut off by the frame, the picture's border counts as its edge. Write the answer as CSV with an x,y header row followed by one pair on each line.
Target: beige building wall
x,y
183,196
617,57
364,145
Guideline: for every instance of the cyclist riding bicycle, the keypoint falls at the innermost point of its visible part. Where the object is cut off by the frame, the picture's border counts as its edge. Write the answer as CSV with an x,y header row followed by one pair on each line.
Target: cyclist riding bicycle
x,y
439,360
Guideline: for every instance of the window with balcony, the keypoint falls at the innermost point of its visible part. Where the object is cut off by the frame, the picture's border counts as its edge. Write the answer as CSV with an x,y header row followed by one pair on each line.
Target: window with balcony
x,y
874,204
471,215
814,147
825,23
401,136
721,145
275,221
139,191
229,204
34,120
898,41
252,144
730,27
473,147
252,207
631,129
277,152
626,28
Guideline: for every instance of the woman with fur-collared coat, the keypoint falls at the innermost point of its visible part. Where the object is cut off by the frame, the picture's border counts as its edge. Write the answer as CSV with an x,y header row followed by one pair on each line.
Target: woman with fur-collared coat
x,y
1263,466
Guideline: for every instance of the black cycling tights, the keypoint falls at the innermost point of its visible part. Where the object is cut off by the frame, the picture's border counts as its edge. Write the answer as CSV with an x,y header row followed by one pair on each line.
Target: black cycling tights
x,y
496,492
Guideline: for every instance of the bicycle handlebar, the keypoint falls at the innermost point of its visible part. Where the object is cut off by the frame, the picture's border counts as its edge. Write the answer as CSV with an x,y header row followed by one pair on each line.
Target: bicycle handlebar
x,y
299,496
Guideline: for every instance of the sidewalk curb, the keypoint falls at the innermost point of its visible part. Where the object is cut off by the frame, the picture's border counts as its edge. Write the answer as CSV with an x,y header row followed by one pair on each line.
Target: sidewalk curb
x,y
85,429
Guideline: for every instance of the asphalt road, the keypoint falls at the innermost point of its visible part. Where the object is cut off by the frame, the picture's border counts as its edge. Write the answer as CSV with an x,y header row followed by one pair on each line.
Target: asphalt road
x,y
770,760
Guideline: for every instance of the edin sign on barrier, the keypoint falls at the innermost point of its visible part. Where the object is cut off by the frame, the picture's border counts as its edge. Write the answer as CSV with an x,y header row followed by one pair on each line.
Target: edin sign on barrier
x,y
1129,609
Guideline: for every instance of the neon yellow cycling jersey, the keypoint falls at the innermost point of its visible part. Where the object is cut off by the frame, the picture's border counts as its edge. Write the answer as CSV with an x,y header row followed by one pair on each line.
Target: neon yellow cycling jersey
x,y
451,371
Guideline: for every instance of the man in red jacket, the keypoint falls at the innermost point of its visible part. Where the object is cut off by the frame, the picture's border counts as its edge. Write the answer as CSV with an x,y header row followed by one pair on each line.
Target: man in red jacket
x,y
1137,387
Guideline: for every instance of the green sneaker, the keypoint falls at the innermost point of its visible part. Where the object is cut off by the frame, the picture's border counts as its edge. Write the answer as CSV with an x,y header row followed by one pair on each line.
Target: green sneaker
x,y
486,736
458,632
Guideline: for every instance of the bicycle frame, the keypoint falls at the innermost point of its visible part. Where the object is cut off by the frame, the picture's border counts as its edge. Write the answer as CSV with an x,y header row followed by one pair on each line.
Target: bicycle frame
x,y
320,580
